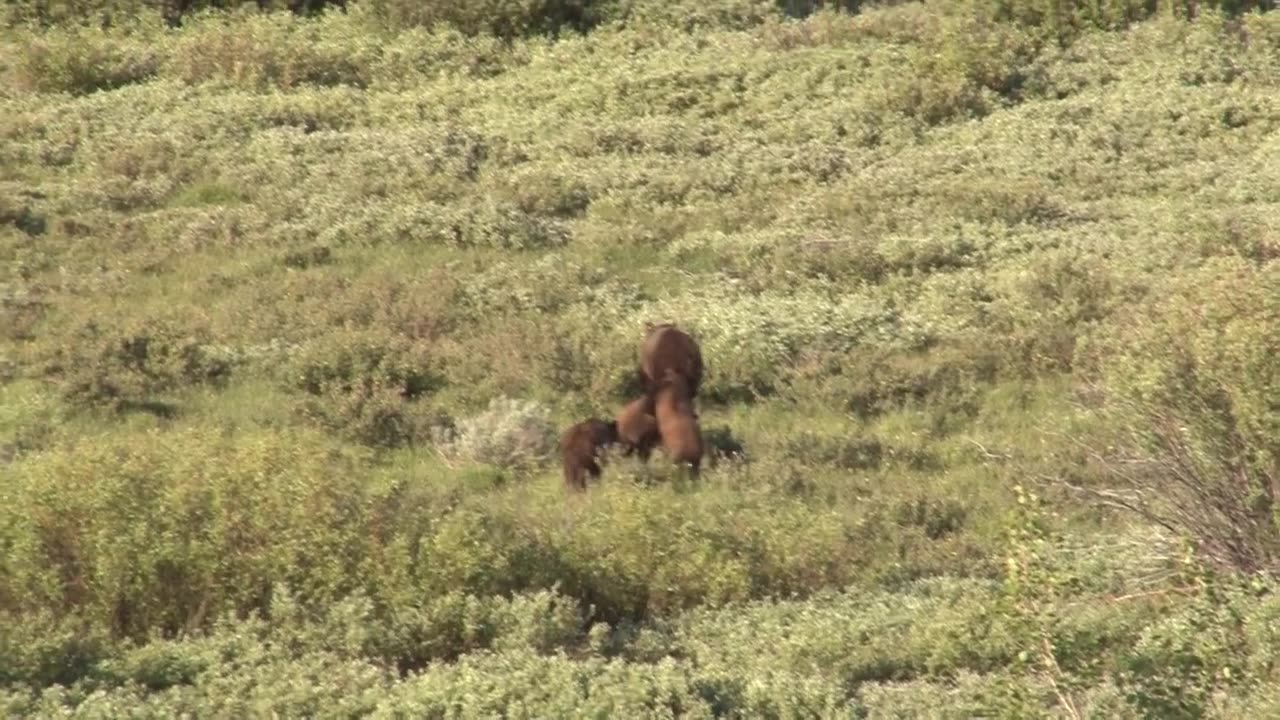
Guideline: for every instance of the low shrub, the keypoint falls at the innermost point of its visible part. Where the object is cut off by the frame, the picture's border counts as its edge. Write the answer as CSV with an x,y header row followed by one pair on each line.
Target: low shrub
x,y
111,13
1194,382
691,17
82,59
504,20
275,50
44,647
509,434
946,377
369,384
137,363
168,534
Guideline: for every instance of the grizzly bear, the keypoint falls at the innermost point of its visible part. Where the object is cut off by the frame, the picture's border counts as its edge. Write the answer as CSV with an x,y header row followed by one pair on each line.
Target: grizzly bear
x,y
667,347
580,448
637,427
677,421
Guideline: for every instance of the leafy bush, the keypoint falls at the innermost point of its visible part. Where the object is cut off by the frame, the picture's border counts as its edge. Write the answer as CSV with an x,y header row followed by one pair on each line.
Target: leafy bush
x,y
1196,383
165,535
81,59
45,648
505,20
271,50
509,433
722,444
455,624
1065,19
691,17
112,12
416,54
134,364
31,417
369,384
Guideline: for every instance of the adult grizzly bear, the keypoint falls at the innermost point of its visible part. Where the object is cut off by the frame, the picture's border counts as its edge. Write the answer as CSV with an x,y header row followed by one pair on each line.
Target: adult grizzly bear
x,y
580,448
677,421
638,427
667,347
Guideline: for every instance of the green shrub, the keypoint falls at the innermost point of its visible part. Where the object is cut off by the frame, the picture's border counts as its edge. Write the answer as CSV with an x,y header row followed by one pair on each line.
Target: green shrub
x,y
80,59
31,417
503,19
691,17
44,647
971,65
509,434
20,313
1047,310
455,624
1207,649
416,54
137,364
1194,381
158,665
945,377
169,533
562,686
384,316
369,384
844,453
1065,19
110,13
273,50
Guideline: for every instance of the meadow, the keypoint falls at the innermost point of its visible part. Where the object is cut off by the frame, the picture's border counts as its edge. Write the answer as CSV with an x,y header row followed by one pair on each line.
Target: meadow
x,y
293,307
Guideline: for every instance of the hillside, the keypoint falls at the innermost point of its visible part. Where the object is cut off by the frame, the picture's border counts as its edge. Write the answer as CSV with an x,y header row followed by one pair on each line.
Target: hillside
x,y
292,312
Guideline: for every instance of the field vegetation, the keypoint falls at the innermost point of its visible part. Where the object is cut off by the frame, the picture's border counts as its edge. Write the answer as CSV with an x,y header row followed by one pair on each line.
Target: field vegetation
x,y
294,301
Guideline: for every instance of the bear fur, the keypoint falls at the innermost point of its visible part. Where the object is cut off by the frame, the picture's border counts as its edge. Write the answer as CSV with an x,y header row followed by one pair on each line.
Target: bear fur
x,y
667,347
638,427
677,421
580,448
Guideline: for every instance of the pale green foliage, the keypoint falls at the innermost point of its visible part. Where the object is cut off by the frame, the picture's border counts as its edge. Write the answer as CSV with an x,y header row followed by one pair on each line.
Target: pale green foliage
x,y
1195,381
274,50
85,59
510,433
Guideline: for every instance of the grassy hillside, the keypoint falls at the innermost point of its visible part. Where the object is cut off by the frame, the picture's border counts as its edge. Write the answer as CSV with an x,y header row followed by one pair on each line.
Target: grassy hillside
x,y
292,311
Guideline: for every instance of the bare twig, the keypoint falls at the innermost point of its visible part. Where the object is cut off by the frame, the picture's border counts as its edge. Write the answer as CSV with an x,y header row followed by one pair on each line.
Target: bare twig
x,y
1053,671
1149,593
1216,499
987,453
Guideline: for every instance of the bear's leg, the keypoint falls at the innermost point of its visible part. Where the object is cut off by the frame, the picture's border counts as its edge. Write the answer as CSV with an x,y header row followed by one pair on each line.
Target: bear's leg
x,y
695,467
573,478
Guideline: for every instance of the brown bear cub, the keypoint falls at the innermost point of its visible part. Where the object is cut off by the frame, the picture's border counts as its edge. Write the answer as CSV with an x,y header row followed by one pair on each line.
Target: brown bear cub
x,y
580,448
637,427
677,422
667,347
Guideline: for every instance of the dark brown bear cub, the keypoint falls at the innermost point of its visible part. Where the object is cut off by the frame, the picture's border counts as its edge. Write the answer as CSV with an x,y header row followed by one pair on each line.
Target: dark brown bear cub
x,y
580,448
667,347
677,421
